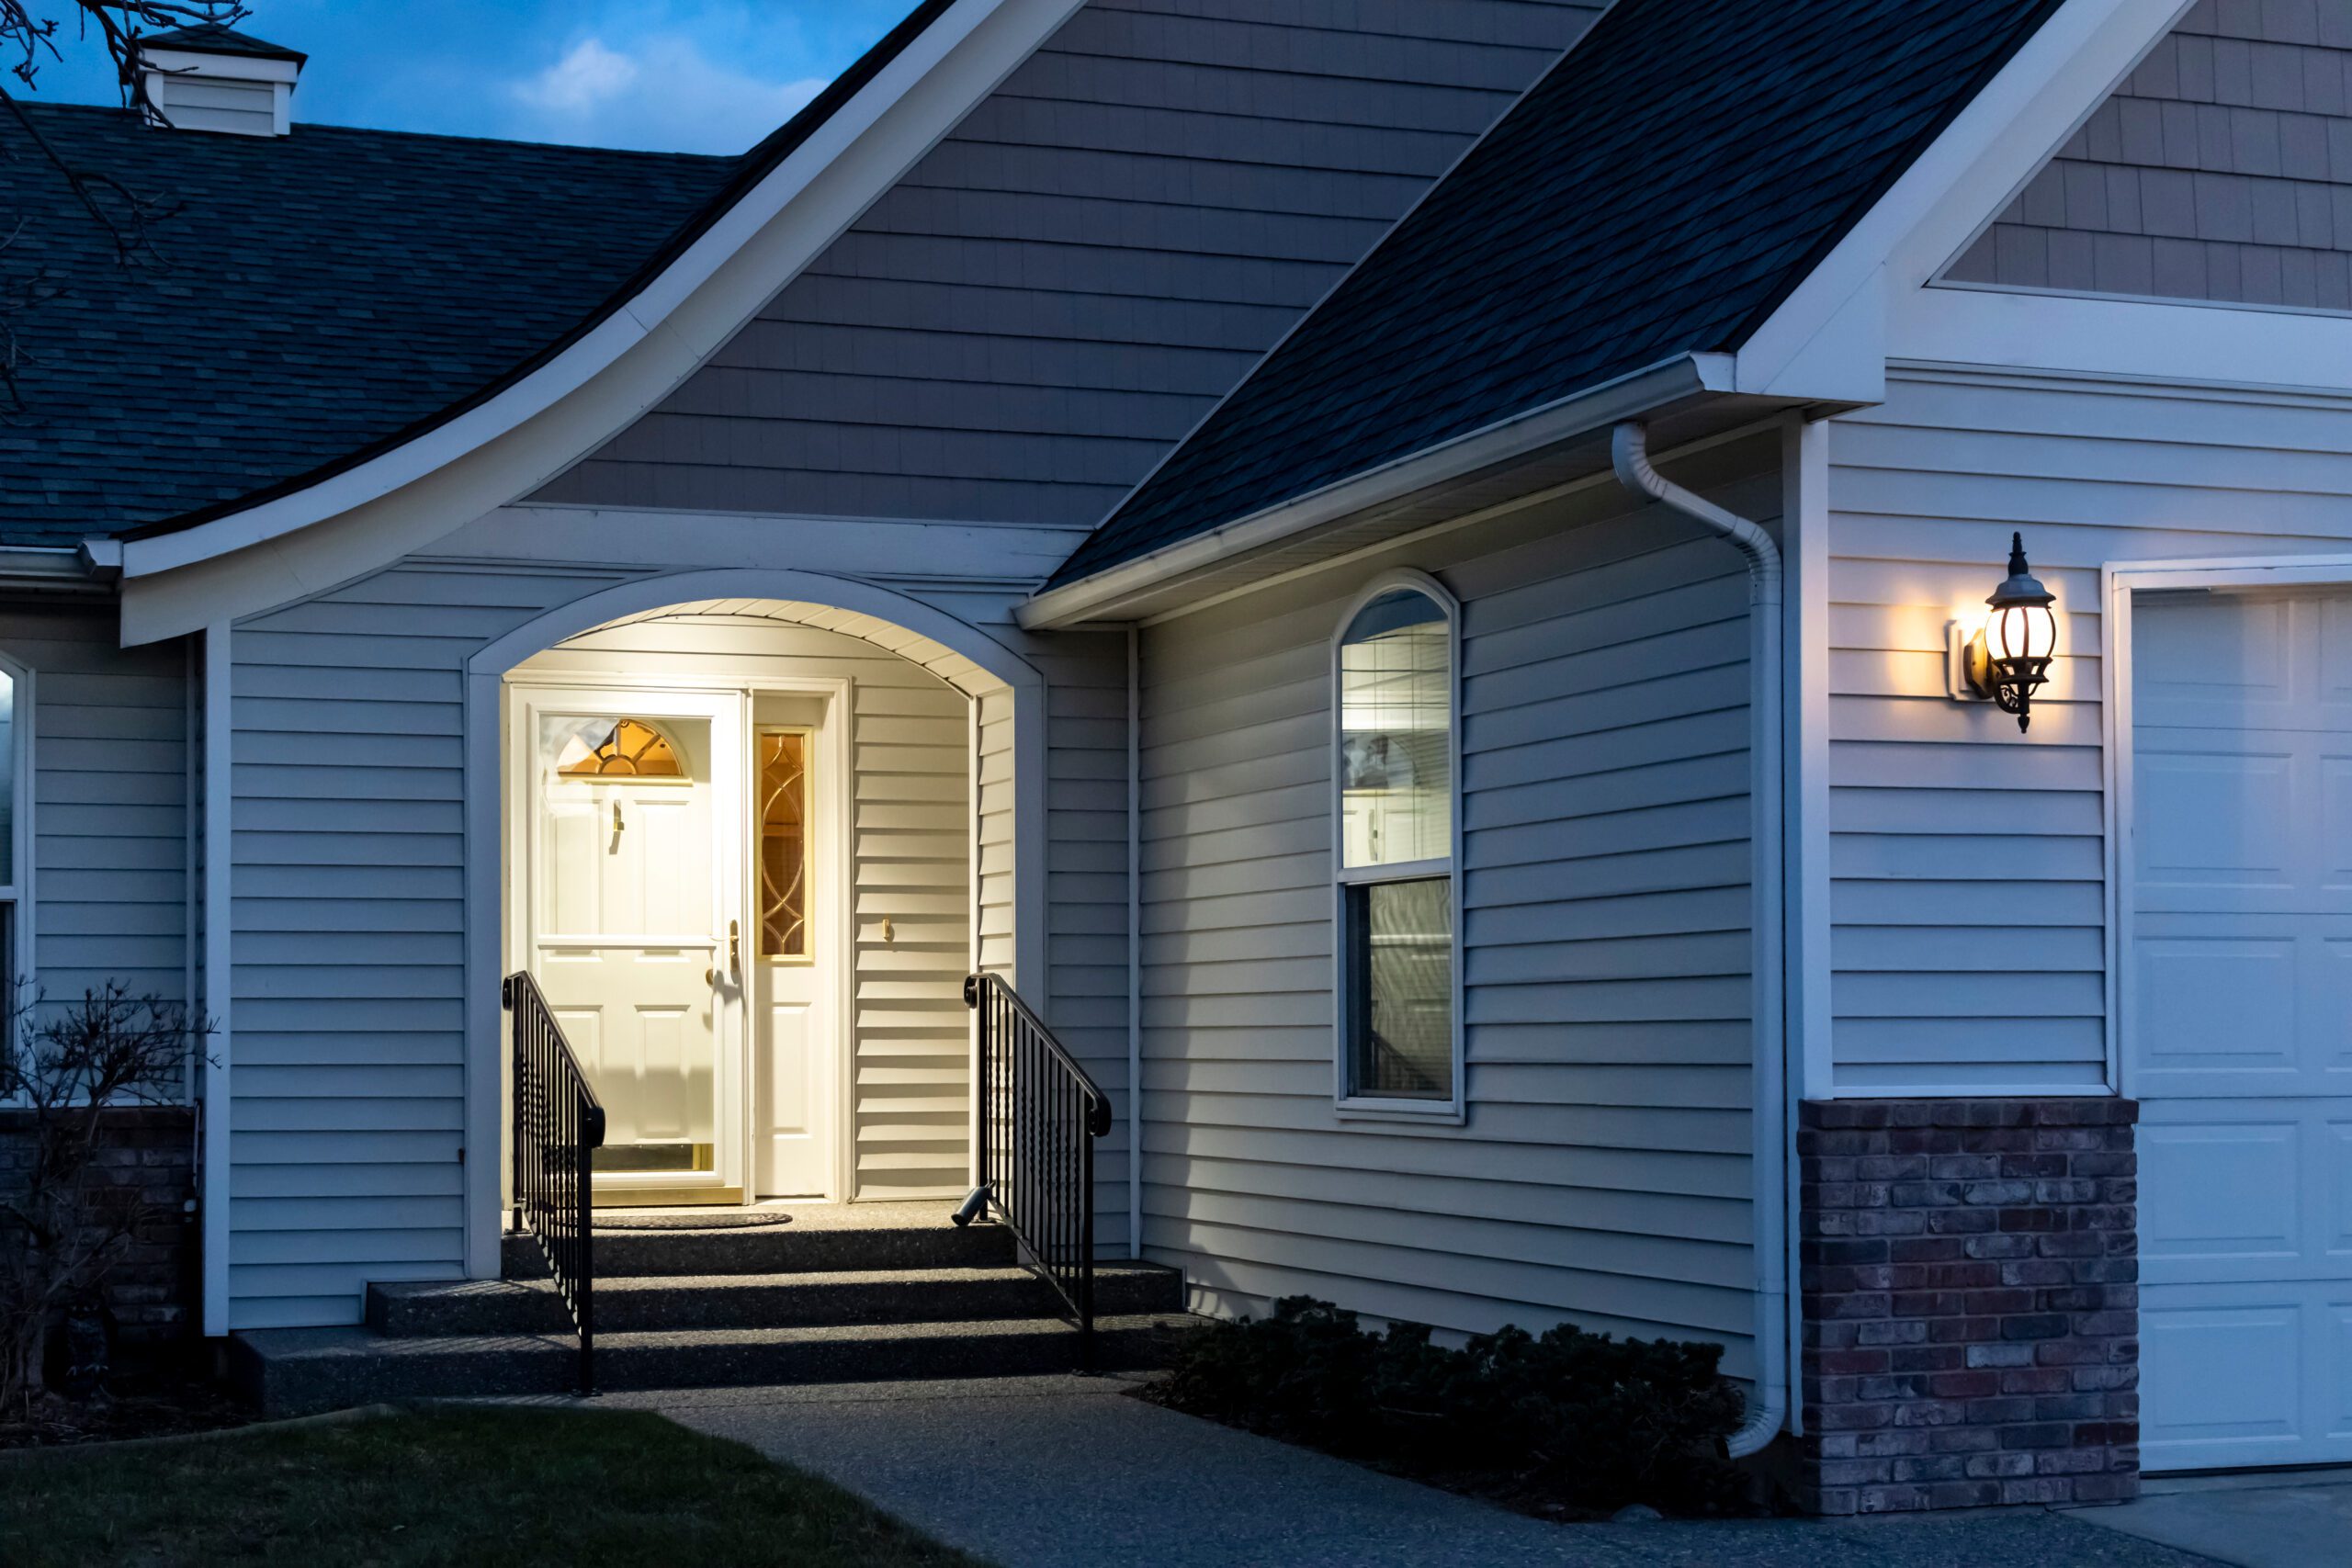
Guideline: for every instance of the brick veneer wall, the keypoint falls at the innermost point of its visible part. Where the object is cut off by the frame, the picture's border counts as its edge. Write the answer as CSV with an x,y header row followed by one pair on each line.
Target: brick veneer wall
x,y
1970,1277
150,1151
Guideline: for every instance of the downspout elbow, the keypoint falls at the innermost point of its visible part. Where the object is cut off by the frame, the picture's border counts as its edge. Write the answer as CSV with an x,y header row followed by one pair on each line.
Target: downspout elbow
x,y
1629,449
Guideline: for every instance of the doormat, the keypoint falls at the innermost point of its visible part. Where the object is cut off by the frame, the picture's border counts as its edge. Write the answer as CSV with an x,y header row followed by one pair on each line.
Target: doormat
x,y
673,1219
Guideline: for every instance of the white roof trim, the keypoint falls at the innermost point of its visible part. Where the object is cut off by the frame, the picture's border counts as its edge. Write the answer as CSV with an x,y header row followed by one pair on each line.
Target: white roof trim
x,y
1831,331
1106,594
621,367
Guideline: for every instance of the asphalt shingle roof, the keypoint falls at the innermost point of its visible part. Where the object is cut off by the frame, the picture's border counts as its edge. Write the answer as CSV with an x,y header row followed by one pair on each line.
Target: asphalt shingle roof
x,y
1659,192
313,293
318,297
212,37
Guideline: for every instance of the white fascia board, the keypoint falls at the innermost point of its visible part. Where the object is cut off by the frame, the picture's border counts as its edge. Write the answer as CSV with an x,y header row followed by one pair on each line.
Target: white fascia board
x,y
532,430
1820,343
2167,342
1629,396
229,67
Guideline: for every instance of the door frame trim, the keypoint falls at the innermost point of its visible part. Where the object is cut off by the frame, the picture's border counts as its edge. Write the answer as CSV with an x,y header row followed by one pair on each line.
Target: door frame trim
x,y
2118,582
835,764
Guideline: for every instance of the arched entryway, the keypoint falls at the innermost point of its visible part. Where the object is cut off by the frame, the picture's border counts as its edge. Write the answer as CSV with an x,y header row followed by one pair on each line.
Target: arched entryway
x,y
749,840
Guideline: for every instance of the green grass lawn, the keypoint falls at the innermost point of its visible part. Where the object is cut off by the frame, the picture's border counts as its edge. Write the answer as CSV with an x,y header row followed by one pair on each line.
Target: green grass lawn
x,y
511,1488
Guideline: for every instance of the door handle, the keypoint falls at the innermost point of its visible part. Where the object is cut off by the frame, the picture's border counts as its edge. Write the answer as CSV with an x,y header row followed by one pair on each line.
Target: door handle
x,y
734,955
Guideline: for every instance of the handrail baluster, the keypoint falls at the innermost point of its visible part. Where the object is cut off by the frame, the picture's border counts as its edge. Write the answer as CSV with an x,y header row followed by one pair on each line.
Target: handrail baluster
x,y
559,1126
1038,1115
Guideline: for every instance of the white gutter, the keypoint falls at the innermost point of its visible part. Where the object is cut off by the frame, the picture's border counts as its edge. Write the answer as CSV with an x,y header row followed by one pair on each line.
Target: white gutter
x,y
1768,1162
1103,595
42,563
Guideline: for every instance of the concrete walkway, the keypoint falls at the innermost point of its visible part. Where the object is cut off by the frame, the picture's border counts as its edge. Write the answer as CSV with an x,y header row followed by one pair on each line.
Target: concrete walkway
x,y
1070,1472
2277,1519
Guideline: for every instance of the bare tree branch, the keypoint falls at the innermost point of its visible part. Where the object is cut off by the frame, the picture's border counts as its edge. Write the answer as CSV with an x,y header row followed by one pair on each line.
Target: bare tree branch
x,y
29,38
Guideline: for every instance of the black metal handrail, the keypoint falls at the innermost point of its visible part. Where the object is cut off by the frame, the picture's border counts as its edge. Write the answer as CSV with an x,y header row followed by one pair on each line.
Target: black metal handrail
x,y
1038,1117
558,1125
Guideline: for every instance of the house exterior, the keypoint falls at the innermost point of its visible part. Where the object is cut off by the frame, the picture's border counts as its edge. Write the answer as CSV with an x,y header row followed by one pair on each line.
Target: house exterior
x,y
1403,574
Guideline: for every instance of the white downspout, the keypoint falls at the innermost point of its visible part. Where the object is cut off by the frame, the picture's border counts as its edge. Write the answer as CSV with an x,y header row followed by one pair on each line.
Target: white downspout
x,y
1768,1160
1135,944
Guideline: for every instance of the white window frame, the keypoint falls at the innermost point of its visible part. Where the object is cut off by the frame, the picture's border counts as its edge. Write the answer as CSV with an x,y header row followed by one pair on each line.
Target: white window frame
x,y
1379,1108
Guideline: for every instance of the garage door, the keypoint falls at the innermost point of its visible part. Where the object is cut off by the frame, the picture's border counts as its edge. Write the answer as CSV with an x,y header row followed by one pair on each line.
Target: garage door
x,y
2240,1034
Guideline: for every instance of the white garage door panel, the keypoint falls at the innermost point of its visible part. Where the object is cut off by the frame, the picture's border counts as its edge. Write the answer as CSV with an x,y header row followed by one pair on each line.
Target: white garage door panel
x,y
2239,1027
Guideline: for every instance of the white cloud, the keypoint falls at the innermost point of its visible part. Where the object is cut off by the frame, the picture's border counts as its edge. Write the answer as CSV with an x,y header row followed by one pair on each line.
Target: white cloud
x,y
658,91
590,76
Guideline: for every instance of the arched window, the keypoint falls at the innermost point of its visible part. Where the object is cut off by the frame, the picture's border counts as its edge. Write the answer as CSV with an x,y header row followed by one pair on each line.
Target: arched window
x,y
618,749
1398,926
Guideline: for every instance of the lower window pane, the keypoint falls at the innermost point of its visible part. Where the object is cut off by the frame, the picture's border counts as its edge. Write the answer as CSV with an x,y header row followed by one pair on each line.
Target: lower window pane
x,y
1400,989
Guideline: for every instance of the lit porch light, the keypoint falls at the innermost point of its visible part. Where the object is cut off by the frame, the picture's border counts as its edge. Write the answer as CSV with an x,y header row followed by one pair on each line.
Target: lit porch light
x,y
2009,658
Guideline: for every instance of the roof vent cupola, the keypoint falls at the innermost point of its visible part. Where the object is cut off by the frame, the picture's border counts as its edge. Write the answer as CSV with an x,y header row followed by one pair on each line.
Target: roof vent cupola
x,y
212,78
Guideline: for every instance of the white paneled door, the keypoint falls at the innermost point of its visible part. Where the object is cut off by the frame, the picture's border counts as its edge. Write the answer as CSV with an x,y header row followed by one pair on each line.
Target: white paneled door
x,y
2238,1031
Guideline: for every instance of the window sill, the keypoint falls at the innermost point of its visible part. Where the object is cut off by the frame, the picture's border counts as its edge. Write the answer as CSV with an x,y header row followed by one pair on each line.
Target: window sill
x,y
1434,1112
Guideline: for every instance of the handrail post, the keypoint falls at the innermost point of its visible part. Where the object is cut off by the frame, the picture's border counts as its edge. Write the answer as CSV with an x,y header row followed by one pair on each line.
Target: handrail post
x,y
591,1137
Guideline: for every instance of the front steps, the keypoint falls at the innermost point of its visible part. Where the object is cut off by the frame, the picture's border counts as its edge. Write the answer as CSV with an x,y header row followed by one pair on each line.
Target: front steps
x,y
902,1295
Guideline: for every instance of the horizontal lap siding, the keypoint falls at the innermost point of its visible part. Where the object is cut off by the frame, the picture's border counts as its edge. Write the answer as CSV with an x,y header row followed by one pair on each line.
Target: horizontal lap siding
x,y
347,889
1084,992
1967,860
1065,284
1603,1176
109,794
909,763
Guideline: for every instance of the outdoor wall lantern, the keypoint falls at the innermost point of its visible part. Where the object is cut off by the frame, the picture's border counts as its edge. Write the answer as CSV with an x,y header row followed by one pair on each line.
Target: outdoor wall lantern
x,y
2008,658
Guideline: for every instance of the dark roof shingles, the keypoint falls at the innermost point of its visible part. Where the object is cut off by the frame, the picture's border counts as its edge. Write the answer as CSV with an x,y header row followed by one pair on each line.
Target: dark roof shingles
x,y
1656,193
312,294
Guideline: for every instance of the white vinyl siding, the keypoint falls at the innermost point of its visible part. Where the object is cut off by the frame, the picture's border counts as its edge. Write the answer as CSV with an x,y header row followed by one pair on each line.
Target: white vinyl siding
x,y
110,797
1968,860
1602,1175
348,887
910,854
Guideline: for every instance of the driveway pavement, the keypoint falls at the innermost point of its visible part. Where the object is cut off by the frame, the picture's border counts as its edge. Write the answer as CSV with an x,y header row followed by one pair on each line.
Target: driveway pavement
x,y
1068,1473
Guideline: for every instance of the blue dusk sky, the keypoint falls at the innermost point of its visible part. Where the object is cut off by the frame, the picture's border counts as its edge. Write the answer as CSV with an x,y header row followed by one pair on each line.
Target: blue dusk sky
x,y
712,76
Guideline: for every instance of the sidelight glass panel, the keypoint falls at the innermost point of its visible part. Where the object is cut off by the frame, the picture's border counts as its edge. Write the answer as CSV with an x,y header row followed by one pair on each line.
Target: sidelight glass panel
x,y
783,843
1395,732
1400,974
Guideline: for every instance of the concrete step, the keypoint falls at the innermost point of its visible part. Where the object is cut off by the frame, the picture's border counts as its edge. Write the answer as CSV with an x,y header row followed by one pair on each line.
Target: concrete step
x,y
292,1372
803,1246
415,1309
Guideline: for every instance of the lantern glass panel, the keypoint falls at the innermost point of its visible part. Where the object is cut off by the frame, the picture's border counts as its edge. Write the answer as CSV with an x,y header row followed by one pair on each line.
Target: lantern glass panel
x,y
2023,632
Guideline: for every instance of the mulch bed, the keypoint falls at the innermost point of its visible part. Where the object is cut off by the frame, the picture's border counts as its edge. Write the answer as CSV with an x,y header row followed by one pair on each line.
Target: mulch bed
x,y
136,1404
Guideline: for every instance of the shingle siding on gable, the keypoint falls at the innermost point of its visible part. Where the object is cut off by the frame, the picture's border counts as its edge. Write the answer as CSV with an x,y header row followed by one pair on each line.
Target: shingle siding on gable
x,y
2222,170
1063,287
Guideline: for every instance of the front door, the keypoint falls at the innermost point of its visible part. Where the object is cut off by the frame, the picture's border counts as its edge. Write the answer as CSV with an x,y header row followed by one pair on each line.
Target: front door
x,y
633,925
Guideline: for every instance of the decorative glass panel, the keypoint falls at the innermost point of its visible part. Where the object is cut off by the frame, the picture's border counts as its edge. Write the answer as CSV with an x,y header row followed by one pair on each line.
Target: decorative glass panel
x,y
784,844
1396,733
1400,988
628,747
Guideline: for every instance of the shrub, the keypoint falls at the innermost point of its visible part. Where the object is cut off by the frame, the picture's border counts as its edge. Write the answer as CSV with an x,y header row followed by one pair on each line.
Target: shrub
x,y
62,1227
1563,1423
